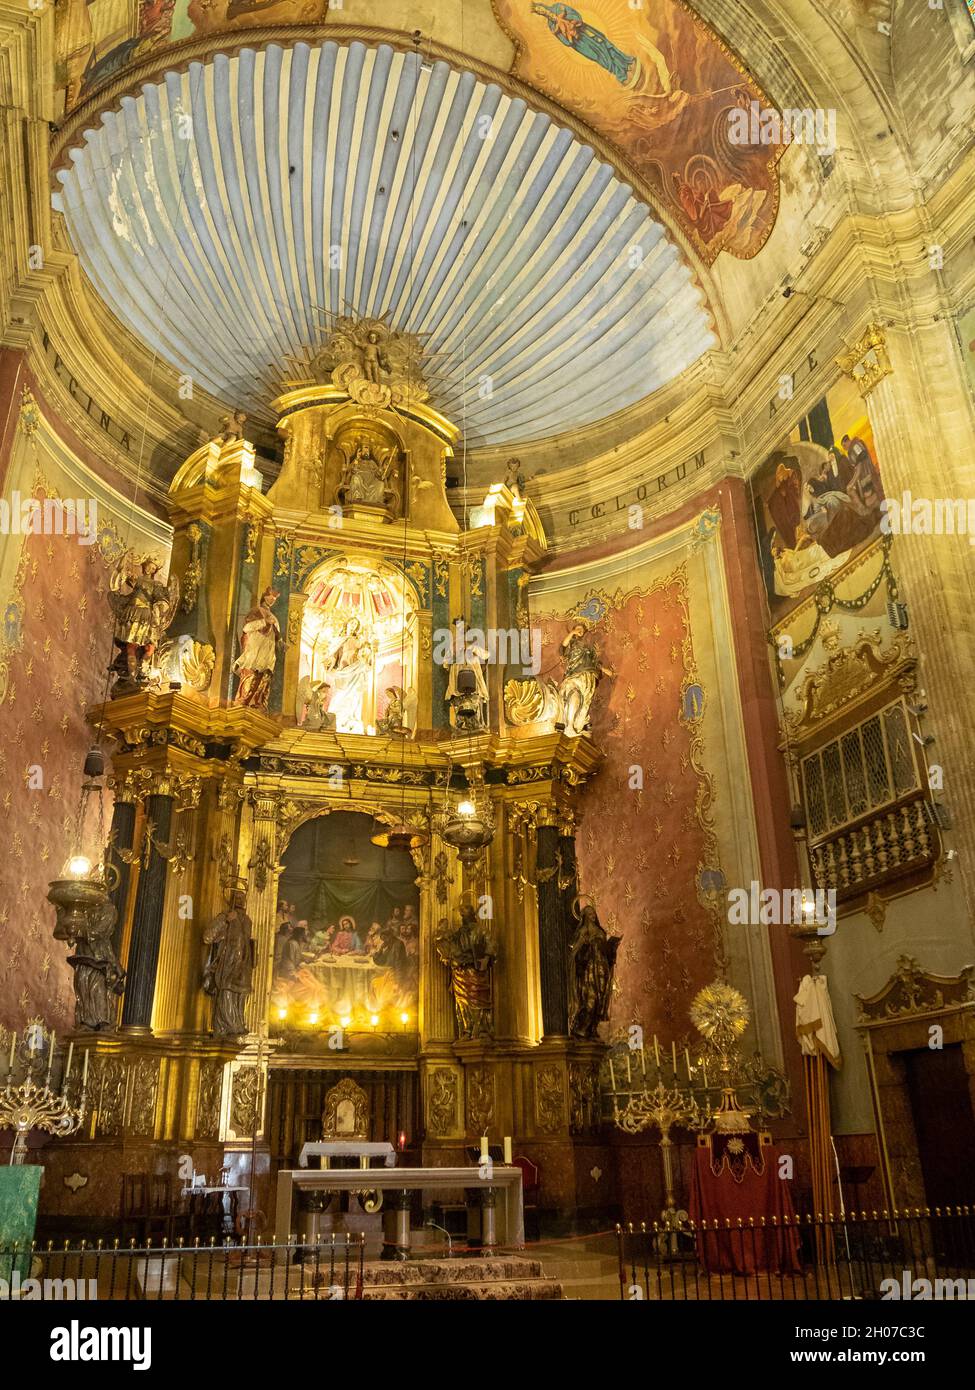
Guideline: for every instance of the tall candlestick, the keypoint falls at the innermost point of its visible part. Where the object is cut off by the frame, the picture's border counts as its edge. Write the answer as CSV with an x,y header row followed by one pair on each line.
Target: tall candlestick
x,y
507,1149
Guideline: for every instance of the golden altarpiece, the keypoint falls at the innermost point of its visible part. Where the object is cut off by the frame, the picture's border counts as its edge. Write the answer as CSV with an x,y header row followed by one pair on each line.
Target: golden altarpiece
x,y
237,785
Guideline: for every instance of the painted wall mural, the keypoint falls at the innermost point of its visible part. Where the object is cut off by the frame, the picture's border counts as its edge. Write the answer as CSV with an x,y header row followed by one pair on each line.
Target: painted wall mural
x,y
817,498
653,79
659,84
649,856
96,40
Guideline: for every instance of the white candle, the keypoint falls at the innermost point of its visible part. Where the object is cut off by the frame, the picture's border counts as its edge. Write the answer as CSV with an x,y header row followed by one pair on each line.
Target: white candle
x,y
67,1068
687,1059
84,1072
507,1149
484,1146
705,1070
629,1074
673,1048
656,1051
50,1056
612,1076
13,1048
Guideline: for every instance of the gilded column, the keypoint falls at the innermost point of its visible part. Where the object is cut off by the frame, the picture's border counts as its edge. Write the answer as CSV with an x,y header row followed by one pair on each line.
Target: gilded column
x,y
436,1006
147,918
263,871
122,833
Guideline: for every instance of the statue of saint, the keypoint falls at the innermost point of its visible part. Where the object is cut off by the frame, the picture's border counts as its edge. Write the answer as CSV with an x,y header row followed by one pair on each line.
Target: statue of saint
x,y
374,359
349,673
311,702
365,479
260,639
98,973
469,953
581,674
143,609
400,713
229,969
592,954
467,692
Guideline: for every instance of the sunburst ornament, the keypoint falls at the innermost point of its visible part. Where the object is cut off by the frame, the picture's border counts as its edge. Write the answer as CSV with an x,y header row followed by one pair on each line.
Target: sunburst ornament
x,y
720,1014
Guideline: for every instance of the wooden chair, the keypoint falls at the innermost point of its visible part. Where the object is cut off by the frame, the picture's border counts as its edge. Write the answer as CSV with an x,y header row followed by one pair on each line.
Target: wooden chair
x,y
161,1217
530,1187
135,1207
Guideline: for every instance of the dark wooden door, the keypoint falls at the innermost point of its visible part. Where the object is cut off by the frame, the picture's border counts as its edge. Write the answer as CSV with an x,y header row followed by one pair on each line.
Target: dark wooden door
x,y
941,1105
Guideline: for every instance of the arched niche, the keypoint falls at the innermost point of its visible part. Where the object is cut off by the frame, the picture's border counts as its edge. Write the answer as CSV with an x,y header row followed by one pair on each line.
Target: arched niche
x,y
359,636
347,953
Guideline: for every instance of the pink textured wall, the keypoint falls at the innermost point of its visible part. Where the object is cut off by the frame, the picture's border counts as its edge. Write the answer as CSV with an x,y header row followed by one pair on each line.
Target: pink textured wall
x,y
56,644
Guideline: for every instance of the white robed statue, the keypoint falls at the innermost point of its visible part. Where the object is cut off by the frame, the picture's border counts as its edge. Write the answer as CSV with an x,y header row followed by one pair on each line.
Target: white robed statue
x,y
348,671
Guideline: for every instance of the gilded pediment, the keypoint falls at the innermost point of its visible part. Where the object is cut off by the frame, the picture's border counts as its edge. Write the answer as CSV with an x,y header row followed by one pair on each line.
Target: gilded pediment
x,y
847,676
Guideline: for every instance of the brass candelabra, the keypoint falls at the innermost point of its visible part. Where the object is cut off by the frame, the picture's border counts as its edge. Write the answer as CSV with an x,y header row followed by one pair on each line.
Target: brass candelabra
x,y
29,1099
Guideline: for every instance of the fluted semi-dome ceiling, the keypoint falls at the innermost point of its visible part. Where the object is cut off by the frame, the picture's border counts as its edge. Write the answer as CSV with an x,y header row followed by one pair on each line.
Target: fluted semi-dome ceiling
x,y
222,210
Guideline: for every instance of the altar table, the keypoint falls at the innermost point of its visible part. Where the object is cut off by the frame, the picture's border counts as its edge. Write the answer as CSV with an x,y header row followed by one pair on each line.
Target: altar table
x,y
500,1197
327,1149
753,1192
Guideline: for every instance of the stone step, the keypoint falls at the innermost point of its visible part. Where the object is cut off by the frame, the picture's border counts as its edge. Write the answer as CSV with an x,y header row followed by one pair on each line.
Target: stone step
x,y
491,1290
472,1271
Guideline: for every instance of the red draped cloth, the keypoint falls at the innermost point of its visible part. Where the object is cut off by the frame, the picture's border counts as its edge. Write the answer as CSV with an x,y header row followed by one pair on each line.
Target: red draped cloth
x,y
738,1178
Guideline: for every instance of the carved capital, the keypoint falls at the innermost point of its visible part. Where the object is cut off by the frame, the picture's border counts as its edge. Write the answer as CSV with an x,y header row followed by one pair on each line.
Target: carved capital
x,y
867,361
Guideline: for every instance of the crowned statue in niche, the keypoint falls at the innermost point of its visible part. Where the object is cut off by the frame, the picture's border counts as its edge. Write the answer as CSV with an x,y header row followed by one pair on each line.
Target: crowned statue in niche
x,y
366,478
469,953
592,956
582,672
228,973
260,639
143,607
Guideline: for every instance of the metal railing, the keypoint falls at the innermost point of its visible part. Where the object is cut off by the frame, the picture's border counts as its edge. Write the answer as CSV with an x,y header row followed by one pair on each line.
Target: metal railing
x,y
916,1254
330,1269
